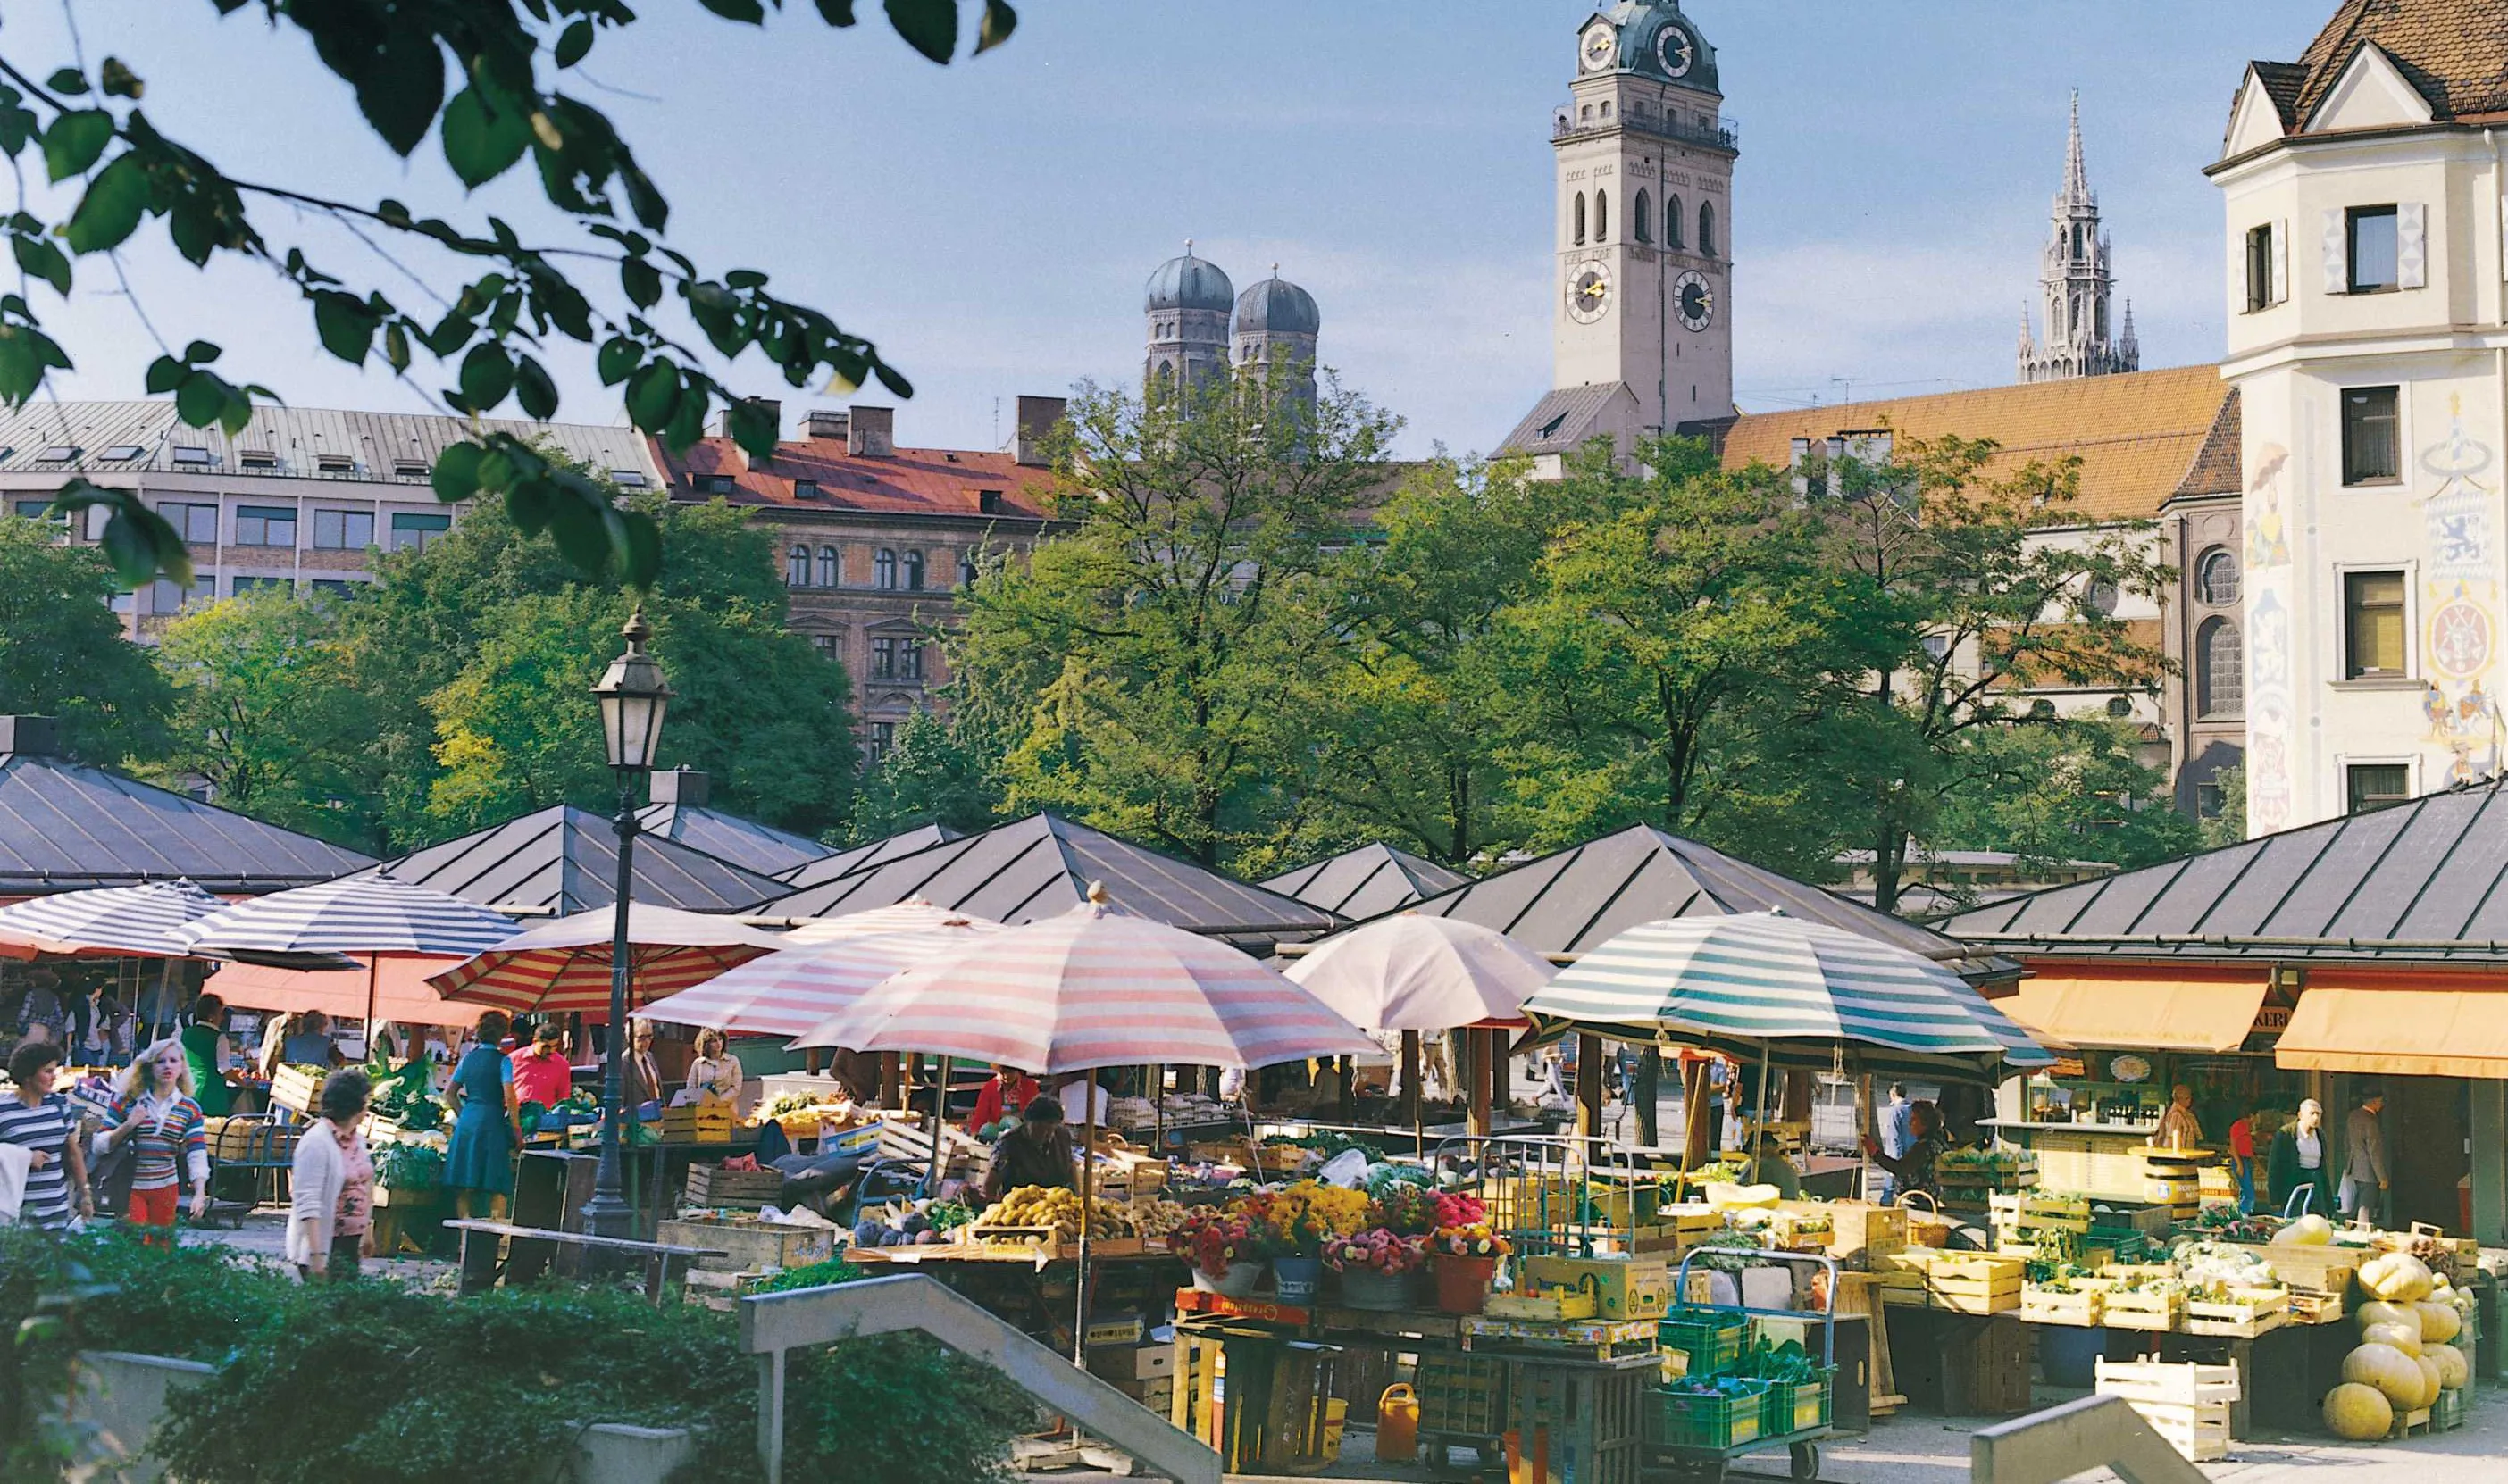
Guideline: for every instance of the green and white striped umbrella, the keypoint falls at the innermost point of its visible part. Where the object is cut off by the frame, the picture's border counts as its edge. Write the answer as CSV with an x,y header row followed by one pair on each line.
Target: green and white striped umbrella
x,y
1805,994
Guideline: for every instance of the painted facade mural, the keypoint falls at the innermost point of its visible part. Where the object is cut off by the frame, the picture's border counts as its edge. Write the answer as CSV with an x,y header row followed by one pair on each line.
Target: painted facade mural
x,y
2460,602
2269,641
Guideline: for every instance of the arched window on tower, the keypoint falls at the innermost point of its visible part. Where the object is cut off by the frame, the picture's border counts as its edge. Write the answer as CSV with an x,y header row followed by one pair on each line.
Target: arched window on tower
x,y
2221,674
2216,577
1707,228
796,567
883,569
1580,218
1601,216
1641,217
1671,223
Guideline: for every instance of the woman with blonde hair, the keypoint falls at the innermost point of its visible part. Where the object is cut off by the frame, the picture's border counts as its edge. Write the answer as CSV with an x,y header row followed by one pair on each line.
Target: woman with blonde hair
x,y
154,1110
715,1076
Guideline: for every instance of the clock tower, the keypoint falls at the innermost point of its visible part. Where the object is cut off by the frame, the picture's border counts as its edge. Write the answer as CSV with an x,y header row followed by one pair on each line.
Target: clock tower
x,y
1642,252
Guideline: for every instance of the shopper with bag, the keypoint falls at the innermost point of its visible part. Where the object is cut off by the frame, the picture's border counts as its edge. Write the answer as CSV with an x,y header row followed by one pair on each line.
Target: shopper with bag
x,y
332,1186
155,1118
39,1121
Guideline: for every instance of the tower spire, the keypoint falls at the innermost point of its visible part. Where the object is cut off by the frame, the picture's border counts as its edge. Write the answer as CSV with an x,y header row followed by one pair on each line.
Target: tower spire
x,y
2077,178
2074,281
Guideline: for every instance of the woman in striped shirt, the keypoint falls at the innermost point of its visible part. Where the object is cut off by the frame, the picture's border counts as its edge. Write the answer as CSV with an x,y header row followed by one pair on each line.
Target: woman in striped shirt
x,y
40,1119
155,1108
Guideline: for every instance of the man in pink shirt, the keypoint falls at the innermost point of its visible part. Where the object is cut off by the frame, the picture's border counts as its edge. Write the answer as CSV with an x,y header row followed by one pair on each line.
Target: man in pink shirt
x,y
542,1073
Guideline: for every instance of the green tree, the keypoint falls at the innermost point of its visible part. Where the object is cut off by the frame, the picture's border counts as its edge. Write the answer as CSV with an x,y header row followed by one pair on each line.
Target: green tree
x,y
263,711
2074,788
61,650
485,79
2229,825
1151,655
937,771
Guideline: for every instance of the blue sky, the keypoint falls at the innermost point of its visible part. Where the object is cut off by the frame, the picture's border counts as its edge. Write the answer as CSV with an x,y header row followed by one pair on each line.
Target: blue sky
x,y
991,223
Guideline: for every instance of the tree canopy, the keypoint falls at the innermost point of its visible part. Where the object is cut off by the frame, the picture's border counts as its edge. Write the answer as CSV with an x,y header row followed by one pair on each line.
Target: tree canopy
x,y
61,649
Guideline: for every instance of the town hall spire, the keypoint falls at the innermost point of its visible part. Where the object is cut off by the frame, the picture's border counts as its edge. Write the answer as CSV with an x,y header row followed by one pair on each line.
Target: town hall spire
x,y
2076,283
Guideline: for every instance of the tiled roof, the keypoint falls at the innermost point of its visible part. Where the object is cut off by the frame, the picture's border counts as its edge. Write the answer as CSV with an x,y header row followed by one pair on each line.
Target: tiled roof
x,y
2138,434
65,826
1572,408
299,437
2216,468
1367,881
924,482
564,859
2455,51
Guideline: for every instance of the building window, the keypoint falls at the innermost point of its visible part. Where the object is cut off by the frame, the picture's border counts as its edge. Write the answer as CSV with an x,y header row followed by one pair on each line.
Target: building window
x,y
243,585
412,532
914,571
197,523
1671,223
713,484
883,737
36,510
265,526
1601,216
344,531
166,597
2374,785
2375,262
2216,577
909,660
2221,669
805,490
2210,798
1707,228
2259,255
2119,707
2100,597
333,588
966,569
1641,217
883,659
796,567
187,456
831,566
2373,625
1580,218
2371,447
883,569
824,643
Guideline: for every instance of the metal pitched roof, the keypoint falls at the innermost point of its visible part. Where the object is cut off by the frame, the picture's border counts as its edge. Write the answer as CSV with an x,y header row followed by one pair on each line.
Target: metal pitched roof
x,y
1366,882
1567,902
2421,880
299,437
65,826
1563,420
564,859
862,857
1042,866
760,848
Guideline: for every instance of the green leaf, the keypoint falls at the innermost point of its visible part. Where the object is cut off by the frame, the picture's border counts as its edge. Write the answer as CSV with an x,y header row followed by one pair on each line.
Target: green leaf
x,y
400,82
929,26
200,352
753,426
534,389
110,212
75,140
345,324
618,357
165,373
455,475
643,542
654,394
120,82
67,81
749,11
200,400
996,26
642,280
574,43
396,346
840,12
487,374
42,260
482,140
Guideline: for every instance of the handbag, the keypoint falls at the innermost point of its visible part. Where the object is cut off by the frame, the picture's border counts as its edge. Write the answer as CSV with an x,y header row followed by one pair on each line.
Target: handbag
x,y
109,1175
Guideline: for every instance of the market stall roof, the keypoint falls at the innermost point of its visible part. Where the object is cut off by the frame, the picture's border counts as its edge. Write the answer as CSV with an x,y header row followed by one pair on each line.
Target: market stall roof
x,y
2417,880
861,857
2397,1032
1565,903
759,848
2174,1013
565,860
65,826
1043,866
1369,881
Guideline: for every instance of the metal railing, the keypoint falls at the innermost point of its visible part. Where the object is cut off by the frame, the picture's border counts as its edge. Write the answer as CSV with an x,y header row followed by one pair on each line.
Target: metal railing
x,y
1725,134
772,1323
2075,1438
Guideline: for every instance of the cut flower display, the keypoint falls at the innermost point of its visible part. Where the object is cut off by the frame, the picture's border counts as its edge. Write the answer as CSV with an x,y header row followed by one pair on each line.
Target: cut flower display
x,y
1377,1250
1474,1239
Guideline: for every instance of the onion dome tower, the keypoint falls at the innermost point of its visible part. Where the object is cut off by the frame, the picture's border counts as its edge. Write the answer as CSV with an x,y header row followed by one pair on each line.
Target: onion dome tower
x,y
1277,326
1186,308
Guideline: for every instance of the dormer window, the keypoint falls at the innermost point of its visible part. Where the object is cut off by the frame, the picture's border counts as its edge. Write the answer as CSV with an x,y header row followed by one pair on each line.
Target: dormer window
x,y
989,502
712,483
629,478
805,490
122,452
409,468
187,456
257,458
334,463
58,454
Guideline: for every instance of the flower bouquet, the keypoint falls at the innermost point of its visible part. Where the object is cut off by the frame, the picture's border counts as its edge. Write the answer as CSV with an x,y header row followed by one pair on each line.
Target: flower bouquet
x,y
1376,1267
1227,1247
1410,1210
1304,1218
1466,1259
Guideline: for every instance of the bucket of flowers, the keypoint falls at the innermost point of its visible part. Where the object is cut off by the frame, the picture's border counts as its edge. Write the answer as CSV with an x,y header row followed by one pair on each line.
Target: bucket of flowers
x,y
1379,1267
1410,1210
1464,1259
1227,1246
1304,1218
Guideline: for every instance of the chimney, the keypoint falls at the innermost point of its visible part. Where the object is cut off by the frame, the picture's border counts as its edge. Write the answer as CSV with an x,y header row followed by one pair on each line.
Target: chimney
x,y
1037,416
681,785
871,432
828,422
31,735
723,425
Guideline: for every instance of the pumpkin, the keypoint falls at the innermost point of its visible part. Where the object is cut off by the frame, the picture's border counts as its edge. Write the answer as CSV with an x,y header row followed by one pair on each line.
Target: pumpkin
x,y
2431,1373
2454,1371
2377,1311
2398,1277
2391,1371
2404,1337
2440,1322
2358,1413
2307,1231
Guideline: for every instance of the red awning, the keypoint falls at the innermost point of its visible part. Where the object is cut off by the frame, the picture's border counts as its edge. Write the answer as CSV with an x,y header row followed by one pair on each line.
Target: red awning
x,y
401,993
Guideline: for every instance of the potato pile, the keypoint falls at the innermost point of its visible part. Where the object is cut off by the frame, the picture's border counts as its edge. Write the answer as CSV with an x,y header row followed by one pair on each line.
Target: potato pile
x,y
1043,1206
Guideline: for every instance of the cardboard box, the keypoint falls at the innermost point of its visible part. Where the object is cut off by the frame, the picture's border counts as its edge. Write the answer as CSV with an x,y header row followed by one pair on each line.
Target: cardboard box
x,y
1157,1395
1624,1287
1133,1362
1122,1329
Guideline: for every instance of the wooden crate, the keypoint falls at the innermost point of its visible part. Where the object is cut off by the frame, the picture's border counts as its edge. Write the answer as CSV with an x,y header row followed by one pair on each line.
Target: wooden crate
x,y
1859,1232
2322,1270
745,1189
2316,1309
2251,1313
2155,1381
704,1123
2039,1306
752,1245
2200,1433
1974,1295
297,1089
1981,1267
1918,1260
2141,1309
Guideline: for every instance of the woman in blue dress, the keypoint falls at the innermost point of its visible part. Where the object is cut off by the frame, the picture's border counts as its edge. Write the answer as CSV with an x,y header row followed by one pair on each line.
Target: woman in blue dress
x,y
487,1124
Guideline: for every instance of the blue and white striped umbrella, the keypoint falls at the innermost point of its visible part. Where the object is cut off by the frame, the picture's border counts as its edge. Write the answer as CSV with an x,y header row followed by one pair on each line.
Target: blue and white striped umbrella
x,y
357,915
145,921
1802,993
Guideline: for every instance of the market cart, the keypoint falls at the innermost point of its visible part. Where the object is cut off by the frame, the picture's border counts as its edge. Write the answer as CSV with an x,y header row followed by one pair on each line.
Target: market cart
x,y
1707,1461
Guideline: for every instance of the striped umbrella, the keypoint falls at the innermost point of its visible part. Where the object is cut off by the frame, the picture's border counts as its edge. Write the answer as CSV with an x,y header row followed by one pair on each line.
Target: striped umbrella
x,y
563,968
912,915
790,993
145,921
1801,993
367,917
1094,986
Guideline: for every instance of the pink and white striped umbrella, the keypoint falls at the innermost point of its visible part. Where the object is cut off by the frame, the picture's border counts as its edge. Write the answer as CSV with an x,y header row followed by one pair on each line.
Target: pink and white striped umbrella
x,y
1095,986
790,992
563,966
912,915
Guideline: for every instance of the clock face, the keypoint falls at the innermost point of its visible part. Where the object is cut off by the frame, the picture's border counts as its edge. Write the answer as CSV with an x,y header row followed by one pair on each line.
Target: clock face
x,y
1598,45
1694,300
1674,49
1589,292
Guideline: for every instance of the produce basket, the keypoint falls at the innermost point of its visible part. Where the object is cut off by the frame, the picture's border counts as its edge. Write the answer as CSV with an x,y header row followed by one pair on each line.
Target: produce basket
x,y
1706,1420
1797,1406
747,1189
1925,1227
1707,1341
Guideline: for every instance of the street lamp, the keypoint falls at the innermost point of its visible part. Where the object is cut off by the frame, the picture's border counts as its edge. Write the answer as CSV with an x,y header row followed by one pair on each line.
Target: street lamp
x,y
633,697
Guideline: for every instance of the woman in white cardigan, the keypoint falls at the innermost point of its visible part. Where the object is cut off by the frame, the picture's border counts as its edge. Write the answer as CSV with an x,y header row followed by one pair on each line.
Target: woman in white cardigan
x,y
334,1184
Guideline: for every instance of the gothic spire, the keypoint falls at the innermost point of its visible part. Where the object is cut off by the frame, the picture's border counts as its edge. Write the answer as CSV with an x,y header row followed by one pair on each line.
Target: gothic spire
x,y
2075,282
2028,338
2077,178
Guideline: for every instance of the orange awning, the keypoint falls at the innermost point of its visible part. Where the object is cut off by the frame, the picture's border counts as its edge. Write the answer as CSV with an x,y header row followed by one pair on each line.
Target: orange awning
x,y
402,995
2131,1014
2399,1033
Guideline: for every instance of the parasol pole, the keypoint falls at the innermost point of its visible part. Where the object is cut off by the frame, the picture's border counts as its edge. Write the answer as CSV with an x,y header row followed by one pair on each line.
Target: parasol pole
x,y
372,1039
940,1121
1751,1141
1411,1090
1087,1188
1482,1041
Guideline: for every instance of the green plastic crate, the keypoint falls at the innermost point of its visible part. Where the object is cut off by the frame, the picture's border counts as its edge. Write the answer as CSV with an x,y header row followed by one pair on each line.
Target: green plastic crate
x,y
1708,1340
1463,1392
2447,1412
1797,1406
1690,1420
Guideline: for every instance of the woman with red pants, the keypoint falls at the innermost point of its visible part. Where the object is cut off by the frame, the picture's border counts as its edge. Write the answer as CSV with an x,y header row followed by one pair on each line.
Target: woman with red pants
x,y
154,1108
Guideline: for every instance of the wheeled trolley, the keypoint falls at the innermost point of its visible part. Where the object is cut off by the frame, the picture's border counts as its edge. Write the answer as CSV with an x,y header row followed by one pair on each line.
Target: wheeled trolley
x,y
1701,1443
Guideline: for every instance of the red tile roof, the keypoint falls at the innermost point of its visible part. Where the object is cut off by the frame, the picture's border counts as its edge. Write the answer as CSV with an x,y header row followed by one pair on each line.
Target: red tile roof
x,y
922,482
2449,49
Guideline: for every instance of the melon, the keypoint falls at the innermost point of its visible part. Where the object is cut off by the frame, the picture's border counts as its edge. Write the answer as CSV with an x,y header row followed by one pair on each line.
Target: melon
x,y
2306,1231
2377,1311
2391,1371
2359,1412
2440,1322
2431,1373
2404,1337
2454,1371
2398,1277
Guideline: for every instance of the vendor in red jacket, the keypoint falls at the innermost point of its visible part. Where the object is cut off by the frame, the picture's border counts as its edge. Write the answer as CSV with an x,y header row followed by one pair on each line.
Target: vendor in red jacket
x,y
1008,1092
542,1073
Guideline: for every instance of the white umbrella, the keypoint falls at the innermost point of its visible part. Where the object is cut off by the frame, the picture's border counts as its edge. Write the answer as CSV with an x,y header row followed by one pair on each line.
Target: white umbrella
x,y
1411,972
144,922
912,915
369,917
794,990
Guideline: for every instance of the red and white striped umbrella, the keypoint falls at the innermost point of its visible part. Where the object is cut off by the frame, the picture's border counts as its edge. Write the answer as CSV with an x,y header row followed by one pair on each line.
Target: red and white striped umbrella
x,y
562,967
912,915
1095,986
788,993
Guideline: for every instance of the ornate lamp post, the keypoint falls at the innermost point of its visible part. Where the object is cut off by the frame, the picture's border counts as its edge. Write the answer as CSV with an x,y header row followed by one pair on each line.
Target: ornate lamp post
x,y
633,697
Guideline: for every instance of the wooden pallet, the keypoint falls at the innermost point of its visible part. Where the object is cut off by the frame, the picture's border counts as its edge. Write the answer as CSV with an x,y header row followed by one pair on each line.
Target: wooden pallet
x,y
2407,1424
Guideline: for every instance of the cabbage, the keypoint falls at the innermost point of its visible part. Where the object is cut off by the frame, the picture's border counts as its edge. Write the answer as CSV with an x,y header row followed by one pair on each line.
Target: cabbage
x,y
2440,1322
2397,1276
2358,1413
2389,1371
2307,1231
2404,1337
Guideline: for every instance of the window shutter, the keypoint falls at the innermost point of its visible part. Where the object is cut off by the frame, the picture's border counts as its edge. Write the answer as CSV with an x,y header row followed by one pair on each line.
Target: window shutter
x,y
2412,246
2281,261
2338,264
